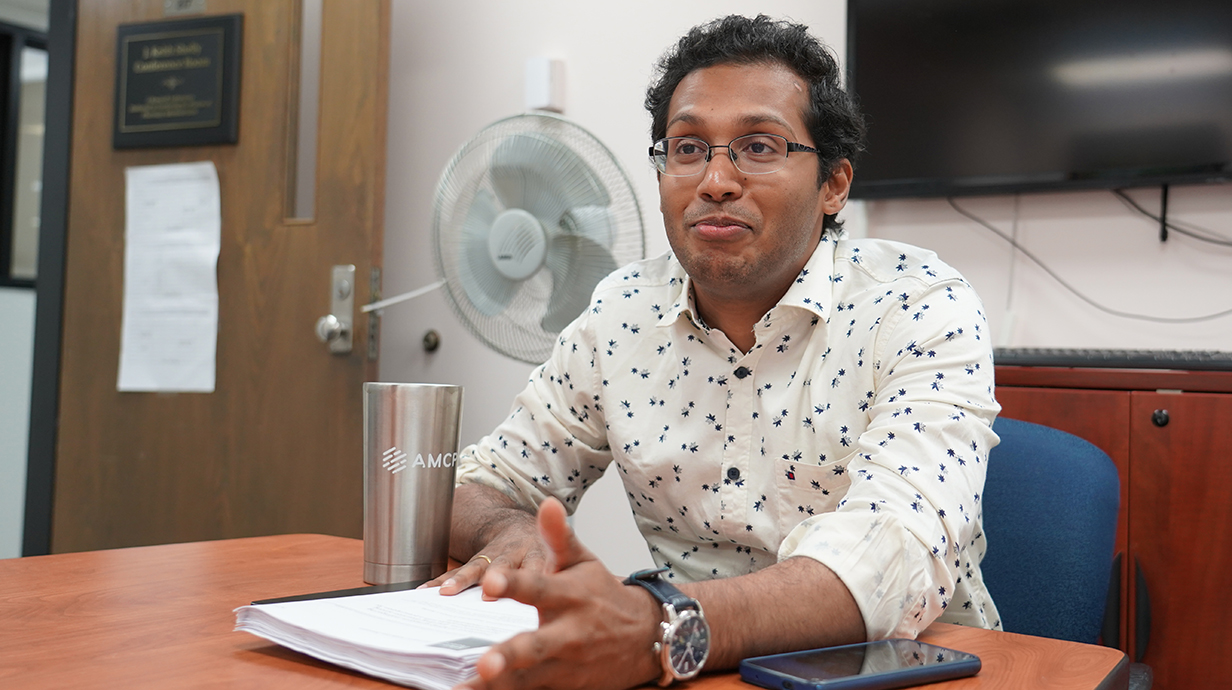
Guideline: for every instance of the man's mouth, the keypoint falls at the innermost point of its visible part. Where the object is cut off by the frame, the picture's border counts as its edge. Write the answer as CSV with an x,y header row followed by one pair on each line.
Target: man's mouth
x,y
720,227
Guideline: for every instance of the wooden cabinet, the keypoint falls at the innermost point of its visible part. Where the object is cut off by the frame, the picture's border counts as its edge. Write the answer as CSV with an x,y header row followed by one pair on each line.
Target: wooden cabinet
x,y
1170,435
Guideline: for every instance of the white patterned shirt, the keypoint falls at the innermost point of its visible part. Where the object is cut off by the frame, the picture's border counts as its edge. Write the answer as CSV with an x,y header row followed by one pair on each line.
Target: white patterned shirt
x,y
856,431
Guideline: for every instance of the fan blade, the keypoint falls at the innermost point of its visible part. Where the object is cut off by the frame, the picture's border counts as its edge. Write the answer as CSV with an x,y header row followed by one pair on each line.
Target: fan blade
x,y
591,222
578,264
485,287
543,176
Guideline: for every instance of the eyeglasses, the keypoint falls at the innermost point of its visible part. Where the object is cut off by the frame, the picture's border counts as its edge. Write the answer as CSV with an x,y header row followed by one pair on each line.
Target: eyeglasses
x,y
752,154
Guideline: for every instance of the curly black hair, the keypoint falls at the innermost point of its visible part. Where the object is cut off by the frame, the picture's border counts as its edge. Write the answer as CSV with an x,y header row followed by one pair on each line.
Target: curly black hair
x,y
834,121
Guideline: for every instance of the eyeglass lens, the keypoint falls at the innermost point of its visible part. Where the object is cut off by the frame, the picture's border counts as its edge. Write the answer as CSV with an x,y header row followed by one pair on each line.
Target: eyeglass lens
x,y
753,154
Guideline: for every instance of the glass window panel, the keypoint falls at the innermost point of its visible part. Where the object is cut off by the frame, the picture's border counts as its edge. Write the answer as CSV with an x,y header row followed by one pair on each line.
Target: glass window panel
x,y
28,182
304,189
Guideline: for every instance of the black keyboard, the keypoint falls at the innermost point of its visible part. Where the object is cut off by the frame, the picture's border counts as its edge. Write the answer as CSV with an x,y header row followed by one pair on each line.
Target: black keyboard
x,y
1196,360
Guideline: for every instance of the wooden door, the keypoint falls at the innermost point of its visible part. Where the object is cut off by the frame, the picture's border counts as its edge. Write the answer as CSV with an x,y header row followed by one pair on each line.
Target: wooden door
x,y
277,446
1180,534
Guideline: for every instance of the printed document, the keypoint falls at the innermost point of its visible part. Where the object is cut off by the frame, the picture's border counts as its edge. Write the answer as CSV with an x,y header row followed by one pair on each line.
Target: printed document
x,y
172,235
413,637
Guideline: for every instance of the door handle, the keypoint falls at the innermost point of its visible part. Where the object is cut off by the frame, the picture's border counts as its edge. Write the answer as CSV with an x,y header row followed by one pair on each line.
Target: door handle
x,y
335,329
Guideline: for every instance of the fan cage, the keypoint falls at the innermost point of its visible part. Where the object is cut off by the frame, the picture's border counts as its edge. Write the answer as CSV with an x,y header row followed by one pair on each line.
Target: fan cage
x,y
516,330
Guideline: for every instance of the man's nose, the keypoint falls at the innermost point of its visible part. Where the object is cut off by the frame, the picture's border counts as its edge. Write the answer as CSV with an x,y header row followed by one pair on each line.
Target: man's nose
x,y
720,178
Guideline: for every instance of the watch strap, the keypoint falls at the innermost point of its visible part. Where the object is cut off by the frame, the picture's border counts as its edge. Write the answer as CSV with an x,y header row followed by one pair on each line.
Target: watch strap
x,y
673,602
662,590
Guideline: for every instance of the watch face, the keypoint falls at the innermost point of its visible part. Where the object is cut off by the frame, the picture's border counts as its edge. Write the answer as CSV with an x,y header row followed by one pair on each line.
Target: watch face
x,y
688,644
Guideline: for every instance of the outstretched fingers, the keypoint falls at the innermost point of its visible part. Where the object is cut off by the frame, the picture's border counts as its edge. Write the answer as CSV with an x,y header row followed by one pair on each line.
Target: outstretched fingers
x,y
464,577
532,586
565,550
526,586
528,660
593,631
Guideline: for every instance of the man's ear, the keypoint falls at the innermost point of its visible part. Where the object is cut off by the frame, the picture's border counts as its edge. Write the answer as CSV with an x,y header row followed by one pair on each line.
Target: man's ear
x,y
834,191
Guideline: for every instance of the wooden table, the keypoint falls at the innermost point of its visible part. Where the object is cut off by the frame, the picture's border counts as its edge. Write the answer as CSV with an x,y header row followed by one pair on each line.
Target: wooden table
x,y
161,617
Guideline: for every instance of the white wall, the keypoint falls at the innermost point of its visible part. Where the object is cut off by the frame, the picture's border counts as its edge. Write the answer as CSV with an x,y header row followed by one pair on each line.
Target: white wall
x,y
458,66
1093,241
16,360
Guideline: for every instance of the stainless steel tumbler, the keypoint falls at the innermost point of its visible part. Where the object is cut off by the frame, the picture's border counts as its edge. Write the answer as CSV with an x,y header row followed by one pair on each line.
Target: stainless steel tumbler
x,y
410,448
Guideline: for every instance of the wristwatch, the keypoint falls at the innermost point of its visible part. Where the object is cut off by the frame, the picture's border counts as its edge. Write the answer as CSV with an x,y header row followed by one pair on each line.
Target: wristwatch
x,y
685,642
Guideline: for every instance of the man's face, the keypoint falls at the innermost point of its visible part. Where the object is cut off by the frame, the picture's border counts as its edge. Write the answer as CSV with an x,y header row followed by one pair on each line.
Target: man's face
x,y
739,236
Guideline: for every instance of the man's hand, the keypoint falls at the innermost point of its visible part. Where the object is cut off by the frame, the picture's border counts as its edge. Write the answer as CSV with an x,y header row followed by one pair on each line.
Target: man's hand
x,y
489,529
593,631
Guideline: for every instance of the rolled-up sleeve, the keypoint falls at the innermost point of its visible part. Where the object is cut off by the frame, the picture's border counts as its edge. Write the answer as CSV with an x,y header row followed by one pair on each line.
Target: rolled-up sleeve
x,y
553,442
909,527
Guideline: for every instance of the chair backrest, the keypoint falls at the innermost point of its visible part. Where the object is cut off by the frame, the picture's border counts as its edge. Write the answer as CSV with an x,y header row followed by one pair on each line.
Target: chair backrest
x,y
1050,515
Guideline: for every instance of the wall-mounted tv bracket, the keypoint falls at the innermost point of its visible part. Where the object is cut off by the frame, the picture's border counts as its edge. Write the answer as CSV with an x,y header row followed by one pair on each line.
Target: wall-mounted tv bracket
x,y
1163,214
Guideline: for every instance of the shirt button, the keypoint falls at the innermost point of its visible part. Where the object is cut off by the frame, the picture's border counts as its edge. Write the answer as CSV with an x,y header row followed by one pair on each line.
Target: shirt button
x,y
733,473
742,372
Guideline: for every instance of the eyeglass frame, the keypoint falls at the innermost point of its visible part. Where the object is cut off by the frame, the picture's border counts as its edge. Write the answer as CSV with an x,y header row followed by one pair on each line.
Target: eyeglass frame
x,y
792,147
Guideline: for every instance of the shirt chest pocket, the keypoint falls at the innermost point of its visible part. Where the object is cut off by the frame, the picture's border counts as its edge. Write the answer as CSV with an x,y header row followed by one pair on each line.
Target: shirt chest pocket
x,y
805,490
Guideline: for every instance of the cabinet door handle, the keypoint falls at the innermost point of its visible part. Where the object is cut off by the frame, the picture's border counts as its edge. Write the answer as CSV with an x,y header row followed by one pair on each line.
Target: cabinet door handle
x,y
1110,631
1142,614
1160,418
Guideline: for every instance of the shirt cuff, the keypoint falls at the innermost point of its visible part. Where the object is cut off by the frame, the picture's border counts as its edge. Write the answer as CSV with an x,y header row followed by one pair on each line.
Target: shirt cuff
x,y
891,575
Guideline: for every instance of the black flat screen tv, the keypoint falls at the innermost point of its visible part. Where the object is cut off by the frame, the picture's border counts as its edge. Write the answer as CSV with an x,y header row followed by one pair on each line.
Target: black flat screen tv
x,y
996,96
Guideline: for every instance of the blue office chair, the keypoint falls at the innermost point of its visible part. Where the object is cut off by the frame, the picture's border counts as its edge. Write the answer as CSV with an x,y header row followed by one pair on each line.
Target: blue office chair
x,y
1050,516
1050,512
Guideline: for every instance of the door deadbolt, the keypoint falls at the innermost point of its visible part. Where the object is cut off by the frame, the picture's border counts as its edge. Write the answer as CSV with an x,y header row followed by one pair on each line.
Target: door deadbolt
x,y
335,328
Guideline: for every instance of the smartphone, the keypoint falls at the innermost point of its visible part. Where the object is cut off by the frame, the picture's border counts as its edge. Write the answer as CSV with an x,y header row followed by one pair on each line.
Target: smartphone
x,y
879,665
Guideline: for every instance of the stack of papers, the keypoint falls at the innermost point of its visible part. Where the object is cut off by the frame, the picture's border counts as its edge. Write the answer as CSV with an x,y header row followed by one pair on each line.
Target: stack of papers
x,y
414,637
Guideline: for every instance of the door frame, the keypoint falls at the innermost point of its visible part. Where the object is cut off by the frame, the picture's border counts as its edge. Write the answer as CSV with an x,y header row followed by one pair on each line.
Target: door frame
x,y
49,285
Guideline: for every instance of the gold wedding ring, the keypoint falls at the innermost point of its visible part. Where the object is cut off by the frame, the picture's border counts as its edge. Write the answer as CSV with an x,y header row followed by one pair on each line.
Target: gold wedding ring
x,y
479,555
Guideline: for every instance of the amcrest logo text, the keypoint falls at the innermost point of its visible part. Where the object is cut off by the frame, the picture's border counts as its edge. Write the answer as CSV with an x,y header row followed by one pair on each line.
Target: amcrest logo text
x,y
438,460
395,460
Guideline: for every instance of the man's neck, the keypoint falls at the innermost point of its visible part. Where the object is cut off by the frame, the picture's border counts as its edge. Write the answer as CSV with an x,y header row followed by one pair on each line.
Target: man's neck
x,y
735,317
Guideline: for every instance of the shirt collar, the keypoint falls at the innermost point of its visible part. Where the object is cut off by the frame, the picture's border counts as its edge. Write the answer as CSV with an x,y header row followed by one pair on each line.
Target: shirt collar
x,y
812,290
683,306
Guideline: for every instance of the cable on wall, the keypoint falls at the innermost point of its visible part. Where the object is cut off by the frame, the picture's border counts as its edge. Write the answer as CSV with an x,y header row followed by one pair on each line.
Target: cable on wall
x,y
1179,227
1065,284
1009,293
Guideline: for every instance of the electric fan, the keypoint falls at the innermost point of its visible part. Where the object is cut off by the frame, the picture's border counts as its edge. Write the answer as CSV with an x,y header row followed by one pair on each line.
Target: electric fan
x,y
530,215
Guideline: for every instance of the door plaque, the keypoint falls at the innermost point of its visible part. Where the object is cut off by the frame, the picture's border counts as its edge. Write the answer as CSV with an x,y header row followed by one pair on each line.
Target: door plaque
x,y
178,82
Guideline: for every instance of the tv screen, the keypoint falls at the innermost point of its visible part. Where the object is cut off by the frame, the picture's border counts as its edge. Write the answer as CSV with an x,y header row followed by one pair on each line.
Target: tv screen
x,y
994,96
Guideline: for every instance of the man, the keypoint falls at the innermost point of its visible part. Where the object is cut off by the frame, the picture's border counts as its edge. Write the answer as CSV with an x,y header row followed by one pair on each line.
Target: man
x,y
801,422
